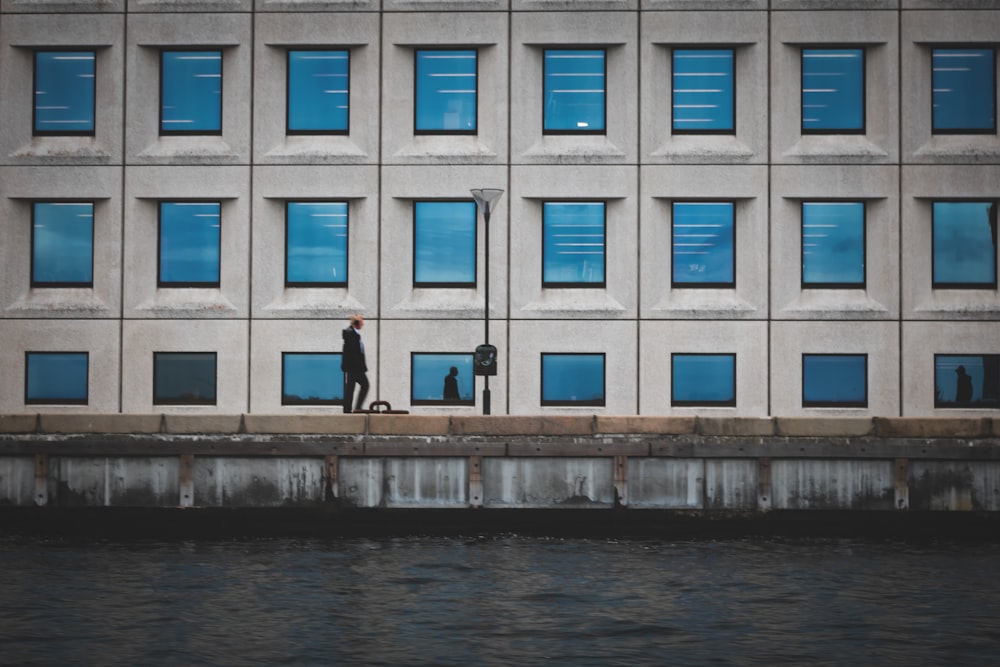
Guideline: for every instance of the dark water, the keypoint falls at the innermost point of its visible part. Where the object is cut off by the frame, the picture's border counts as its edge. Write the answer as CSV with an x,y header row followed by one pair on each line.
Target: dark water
x,y
506,600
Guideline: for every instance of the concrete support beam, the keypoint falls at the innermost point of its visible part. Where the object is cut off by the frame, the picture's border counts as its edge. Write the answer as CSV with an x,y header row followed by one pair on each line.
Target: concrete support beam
x,y
902,485
41,480
765,500
185,480
475,481
621,481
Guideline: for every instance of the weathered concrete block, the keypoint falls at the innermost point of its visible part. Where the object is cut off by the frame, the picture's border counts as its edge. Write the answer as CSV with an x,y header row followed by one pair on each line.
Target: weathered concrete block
x,y
955,486
409,424
666,483
342,424
115,423
821,427
932,427
646,425
114,481
548,482
18,423
405,482
17,480
823,484
738,426
508,425
202,423
258,482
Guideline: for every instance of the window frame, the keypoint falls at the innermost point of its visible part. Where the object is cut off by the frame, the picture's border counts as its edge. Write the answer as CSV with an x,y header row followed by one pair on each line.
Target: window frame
x,y
955,405
347,247
35,132
159,248
288,93
59,400
674,284
863,129
470,402
473,284
604,111
338,378
864,246
961,286
675,402
60,284
222,61
599,403
674,130
416,89
215,378
993,97
554,284
835,404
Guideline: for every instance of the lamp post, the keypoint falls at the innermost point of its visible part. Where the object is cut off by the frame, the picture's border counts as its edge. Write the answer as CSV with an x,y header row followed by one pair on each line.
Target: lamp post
x,y
486,354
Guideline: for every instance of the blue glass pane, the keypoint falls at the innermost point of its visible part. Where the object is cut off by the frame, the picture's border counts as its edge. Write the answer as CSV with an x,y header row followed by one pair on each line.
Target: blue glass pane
x,y
62,244
967,380
964,85
574,90
833,243
573,243
189,242
703,379
703,238
184,377
311,378
434,380
703,89
573,378
834,379
56,377
965,252
317,243
318,91
191,93
64,92
833,90
446,91
444,243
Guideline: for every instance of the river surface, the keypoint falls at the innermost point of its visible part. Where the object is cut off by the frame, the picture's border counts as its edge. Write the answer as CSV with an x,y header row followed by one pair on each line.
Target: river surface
x,y
498,600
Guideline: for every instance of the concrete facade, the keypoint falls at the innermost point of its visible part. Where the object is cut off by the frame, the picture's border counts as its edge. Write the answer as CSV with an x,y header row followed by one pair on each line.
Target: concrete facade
x,y
767,167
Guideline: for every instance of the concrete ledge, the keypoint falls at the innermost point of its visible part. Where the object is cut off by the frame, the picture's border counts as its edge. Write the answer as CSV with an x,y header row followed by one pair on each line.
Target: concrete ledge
x,y
933,427
506,425
739,426
342,424
823,427
646,425
187,424
117,423
436,449
18,423
408,424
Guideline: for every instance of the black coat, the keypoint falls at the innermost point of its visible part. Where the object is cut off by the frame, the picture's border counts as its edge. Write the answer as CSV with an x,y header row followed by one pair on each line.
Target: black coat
x,y
353,359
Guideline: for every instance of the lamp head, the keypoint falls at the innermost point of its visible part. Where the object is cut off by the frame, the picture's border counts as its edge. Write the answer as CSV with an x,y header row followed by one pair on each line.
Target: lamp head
x,y
486,199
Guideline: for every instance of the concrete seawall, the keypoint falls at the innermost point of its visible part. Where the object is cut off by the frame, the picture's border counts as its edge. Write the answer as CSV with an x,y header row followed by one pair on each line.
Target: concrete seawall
x,y
707,468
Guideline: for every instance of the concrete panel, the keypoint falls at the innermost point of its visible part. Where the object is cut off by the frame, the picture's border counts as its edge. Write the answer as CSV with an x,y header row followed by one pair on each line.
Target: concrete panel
x,y
438,425
548,482
314,424
955,485
17,480
100,423
739,426
645,425
531,426
666,483
362,482
428,483
312,6
258,482
731,484
821,427
25,423
933,427
60,6
202,423
114,482
798,484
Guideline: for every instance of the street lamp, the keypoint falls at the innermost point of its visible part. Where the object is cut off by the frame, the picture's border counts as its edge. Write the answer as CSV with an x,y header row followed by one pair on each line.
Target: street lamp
x,y
486,354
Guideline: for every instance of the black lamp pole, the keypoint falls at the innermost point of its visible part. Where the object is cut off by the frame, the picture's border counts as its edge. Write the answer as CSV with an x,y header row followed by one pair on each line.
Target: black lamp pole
x,y
486,200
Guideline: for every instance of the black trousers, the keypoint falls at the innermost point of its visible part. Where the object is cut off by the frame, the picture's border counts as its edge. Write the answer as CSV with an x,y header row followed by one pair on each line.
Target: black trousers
x,y
351,379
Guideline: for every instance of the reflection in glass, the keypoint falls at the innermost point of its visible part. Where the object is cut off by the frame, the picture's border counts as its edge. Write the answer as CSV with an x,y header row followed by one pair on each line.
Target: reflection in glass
x,y
573,379
833,90
574,90
62,244
833,244
56,377
318,91
184,378
444,244
703,244
64,92
703,379
965,244
311,378
967,381
573,240
190,238
441,378
316,244
703,90
446,91
191,92
835,380
964,83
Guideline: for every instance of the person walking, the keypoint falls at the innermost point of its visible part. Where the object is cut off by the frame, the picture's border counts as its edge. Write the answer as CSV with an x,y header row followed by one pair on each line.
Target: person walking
x,y
352,363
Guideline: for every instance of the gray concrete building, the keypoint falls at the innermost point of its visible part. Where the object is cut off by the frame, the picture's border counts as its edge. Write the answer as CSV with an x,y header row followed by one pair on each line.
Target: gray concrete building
x,y
711,207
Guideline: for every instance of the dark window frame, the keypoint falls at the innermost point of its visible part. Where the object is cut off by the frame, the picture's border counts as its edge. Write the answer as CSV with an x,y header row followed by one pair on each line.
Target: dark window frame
x,y
963,286
603,131
475,245
222,97
864,90
288,93
159,249
183,401
347,248
56,401
674,402
996,61
706,285
417,132
597,403
35,132
834,404
326,402
31,270
443,402
674,130
552,284
864,246
955,405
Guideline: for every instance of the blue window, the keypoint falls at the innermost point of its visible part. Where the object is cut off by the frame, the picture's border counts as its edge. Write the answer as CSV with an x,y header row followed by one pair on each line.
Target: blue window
x,y
191,92
64,93
704,91
319,87
316,244
574,91
445,92
965,244
444,244
704,238
311,378
964,91
441,378
967,381
835,380
62,244
833,91
572,379
573,244
56,378
184,378
833,244
190,244
703,379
